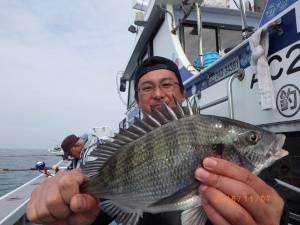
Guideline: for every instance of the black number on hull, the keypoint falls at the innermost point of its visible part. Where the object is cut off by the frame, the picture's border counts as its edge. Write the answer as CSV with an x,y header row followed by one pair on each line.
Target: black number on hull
x,y
276,57
292,68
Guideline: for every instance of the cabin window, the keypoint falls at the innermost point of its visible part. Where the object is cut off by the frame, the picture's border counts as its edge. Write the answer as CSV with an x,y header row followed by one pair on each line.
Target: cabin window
x,y
229,39
219,38
190,41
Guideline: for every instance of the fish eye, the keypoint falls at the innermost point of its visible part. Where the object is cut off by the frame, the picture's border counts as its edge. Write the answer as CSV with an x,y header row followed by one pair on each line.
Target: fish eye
x,y
253,137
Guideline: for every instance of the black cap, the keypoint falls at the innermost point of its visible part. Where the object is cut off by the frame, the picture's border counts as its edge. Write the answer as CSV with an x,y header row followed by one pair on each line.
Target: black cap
x,y
155,63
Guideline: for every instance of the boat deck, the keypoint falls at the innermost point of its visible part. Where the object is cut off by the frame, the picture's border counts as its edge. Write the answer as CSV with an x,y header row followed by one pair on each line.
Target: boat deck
x,y
13,205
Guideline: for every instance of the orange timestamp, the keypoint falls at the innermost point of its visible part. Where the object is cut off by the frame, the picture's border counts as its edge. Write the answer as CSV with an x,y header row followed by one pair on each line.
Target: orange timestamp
x,y
243,198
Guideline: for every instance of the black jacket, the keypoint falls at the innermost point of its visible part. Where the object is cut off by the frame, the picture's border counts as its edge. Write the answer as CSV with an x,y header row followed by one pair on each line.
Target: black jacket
x,y
171,218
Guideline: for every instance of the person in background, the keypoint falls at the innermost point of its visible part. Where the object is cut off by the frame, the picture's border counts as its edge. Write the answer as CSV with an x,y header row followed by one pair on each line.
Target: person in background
x,y
78,147
158,79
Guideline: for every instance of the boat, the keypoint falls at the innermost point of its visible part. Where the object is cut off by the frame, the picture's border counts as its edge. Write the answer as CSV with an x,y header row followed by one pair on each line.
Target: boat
x,y
103,132
57,150
241,63
213,45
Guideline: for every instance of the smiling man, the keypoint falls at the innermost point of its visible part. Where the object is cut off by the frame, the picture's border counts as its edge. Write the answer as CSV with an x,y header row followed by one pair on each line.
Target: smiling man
x,y
58,200
157,79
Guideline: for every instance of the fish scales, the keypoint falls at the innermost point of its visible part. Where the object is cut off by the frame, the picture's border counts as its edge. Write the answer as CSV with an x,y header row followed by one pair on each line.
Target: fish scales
x,y
160,163
155,172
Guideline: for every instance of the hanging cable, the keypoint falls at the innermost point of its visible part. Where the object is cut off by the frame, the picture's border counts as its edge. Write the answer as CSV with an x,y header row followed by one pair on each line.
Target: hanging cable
x,y
236,4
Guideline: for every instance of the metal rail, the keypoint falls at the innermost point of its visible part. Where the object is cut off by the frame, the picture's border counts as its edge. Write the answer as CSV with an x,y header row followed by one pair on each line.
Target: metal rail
x,y
216,102
199,31
244,21
287,185
240,75
294,216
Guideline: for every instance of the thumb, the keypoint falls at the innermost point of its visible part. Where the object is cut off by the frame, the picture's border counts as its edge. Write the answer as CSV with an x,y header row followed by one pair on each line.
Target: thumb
x,y
84,202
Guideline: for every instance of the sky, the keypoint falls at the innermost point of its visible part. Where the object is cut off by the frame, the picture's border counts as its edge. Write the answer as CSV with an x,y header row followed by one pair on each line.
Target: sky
x,y
58,65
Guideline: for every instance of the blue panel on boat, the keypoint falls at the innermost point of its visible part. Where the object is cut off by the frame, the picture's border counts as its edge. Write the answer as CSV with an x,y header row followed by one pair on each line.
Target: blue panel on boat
x,y
273,8
289,34
185,74
240,58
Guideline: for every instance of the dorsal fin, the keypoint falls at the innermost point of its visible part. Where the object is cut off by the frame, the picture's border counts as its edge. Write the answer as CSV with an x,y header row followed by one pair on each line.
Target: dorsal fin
x,y
188,110
143,124
189,107
128,133
195,108
123,138
178,109
104,149
137,129
118,141
109,148
171,115
159,115
112,144
151,120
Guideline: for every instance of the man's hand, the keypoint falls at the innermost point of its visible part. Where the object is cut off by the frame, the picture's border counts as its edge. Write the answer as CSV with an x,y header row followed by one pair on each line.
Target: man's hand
x,y
233,195
57,201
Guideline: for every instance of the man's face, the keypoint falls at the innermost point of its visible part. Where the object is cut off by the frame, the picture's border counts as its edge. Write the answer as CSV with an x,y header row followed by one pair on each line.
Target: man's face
x,y
76,150
158,85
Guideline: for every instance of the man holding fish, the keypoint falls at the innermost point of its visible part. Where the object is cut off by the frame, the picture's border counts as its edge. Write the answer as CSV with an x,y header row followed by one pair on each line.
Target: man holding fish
x,y
230,194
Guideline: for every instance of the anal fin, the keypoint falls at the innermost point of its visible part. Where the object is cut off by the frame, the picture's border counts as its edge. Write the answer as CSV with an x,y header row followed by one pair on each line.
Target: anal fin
x,y
122,215
193,216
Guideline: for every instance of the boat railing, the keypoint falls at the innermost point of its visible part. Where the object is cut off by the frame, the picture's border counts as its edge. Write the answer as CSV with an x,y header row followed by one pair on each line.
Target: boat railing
x,y
240,75
13,204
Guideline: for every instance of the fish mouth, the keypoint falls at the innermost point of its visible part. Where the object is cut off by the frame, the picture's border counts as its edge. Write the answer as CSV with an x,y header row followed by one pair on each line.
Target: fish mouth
x,y
278,142
275,152
275,149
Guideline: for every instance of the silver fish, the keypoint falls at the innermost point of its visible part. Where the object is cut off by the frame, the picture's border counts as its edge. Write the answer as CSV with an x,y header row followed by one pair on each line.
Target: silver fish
x,y
150,166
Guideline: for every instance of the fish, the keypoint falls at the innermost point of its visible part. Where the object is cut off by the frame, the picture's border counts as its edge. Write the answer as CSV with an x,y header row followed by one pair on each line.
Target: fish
x,y
150,166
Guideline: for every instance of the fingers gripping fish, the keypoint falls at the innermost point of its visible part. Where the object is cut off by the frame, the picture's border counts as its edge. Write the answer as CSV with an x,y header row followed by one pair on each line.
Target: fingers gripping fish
x,y
150,166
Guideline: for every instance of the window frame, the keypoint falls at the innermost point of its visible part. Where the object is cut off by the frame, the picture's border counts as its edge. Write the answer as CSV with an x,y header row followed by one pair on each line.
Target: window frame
x,y
215,27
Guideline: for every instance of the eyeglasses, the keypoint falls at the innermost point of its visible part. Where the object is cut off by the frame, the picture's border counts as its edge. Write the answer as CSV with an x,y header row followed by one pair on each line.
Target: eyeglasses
x,y
167,85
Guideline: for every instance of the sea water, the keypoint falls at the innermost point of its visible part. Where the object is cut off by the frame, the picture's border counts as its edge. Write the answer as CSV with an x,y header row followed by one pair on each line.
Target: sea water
x,y
16,166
